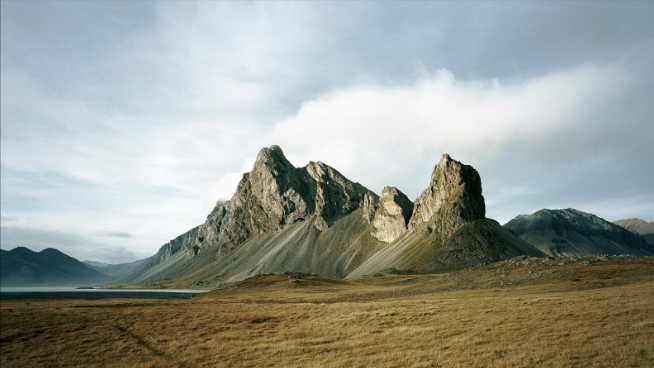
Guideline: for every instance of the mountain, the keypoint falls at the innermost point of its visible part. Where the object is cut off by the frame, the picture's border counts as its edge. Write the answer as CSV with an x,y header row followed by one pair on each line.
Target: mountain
x,y
642,227
23,267
280,218
570,232
313,219
448,228
118,269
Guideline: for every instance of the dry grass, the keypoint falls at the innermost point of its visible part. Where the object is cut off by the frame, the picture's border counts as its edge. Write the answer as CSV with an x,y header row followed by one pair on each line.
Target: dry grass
x,y
386,321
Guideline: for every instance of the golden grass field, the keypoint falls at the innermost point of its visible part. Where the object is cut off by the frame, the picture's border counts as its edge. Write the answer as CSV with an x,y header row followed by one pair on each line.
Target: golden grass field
x,y
504,315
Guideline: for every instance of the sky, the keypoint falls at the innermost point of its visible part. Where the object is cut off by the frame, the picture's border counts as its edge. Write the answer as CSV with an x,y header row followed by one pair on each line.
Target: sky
x,y
122,123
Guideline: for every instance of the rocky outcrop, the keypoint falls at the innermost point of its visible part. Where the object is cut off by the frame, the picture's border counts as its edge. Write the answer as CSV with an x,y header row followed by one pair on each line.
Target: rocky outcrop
x,y
275,193
571,232
452,200
391,215
447,229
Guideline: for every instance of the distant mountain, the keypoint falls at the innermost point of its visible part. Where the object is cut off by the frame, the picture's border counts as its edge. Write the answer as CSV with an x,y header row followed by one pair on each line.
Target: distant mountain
x,y
96,265
642,227
117,269
570,232
313,219
24,267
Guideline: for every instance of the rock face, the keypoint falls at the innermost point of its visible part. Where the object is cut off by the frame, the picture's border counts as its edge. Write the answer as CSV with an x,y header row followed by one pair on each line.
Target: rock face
x,y
452,200
391,215
570,232
275,193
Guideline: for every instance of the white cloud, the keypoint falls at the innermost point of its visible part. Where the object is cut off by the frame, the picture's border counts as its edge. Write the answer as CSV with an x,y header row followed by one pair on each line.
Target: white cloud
x,y
443,113
385,135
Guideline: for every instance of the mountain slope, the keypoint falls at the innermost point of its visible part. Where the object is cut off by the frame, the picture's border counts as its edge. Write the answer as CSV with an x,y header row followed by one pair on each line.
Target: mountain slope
x,y
23,267
313,219
119,269
642,227
570,232
297,247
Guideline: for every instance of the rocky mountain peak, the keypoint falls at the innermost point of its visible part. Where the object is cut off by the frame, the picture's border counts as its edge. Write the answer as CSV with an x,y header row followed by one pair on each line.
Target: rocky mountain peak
x,y
397,200
391,215
275,194
452,199
445,160
284,218
272,158
271,167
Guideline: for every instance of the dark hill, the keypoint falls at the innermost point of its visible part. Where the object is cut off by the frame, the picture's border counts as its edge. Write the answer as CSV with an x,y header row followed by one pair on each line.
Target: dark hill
x,y
24,267
570,232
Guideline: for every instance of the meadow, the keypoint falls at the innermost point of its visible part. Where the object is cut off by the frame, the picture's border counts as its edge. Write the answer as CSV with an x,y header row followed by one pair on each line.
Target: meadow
x,y
520,313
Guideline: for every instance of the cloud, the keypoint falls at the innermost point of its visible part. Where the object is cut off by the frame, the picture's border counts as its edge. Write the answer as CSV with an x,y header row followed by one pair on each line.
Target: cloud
x,y
111,234
383,135
441,112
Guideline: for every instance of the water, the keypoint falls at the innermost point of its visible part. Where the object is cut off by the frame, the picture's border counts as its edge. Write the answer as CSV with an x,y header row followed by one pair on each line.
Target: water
x,y
64,292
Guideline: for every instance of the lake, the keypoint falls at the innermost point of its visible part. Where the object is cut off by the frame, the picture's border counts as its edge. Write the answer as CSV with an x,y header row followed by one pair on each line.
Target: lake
x,y
62,292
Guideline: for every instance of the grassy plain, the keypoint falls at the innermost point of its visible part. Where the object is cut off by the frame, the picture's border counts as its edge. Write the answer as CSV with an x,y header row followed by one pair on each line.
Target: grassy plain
x,y
519,313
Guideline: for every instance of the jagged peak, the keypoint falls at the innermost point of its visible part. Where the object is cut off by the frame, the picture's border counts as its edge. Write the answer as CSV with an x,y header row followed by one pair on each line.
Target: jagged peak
x,y
317,164
319,171
446,162
272,157
389,191
452,184
445,159
273,150
389,215
396,195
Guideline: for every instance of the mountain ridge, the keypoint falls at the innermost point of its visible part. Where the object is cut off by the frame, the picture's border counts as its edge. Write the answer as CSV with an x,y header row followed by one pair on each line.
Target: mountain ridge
x,y
24,267
313,219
